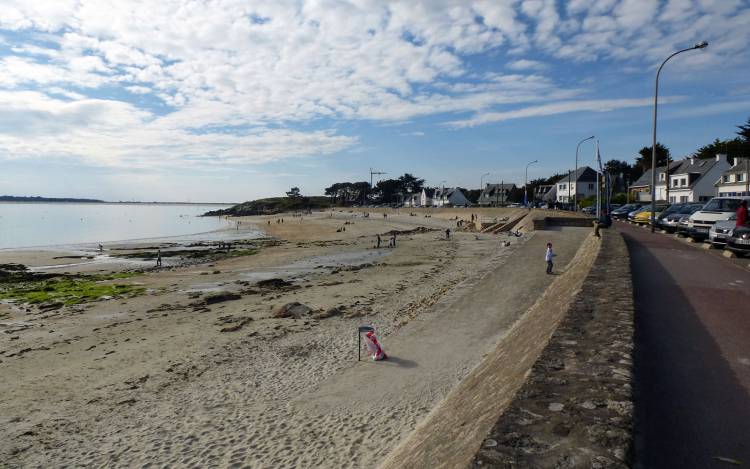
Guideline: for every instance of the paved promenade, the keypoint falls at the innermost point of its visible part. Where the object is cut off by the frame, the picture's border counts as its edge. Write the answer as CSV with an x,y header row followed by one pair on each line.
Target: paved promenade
x,y
692,354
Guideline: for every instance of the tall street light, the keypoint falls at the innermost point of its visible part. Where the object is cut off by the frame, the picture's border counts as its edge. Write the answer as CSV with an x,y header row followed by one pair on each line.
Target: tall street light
x,y
526,184
700,45
575,170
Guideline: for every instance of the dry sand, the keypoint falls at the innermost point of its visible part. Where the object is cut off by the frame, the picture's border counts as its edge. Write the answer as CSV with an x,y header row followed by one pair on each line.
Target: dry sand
x,y
164,379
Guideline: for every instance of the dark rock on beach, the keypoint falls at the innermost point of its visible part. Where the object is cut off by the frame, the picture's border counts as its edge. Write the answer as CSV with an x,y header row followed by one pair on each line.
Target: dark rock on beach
x,y
292,310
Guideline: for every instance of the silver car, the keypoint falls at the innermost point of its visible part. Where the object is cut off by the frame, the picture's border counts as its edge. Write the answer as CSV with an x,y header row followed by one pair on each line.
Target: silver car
x,y
721,230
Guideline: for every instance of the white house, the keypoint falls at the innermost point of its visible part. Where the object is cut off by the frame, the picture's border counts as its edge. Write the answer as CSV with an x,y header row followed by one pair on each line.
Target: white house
x,y
426,197
695,180
735,180
413,200
690,180
580,184
449,197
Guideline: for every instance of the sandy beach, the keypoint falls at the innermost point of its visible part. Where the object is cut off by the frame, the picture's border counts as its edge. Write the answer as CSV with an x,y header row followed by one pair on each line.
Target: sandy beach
x,y
197,369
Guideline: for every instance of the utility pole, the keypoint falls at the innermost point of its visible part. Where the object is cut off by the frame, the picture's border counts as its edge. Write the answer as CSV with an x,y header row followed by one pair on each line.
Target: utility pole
x,y
371,173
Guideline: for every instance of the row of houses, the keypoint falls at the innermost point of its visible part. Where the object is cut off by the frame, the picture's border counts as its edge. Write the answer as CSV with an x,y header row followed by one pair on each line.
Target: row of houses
x,y
694,180
690,180
437,197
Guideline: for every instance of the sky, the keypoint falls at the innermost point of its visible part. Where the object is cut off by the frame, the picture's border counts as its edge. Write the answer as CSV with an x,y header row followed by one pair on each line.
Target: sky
x,y
227,101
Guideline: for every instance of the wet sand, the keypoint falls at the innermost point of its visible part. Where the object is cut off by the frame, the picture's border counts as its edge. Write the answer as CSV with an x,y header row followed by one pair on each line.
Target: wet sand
x,y
173,378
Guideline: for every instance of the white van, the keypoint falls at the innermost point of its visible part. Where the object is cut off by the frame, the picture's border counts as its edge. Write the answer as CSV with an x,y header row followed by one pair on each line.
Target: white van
x,y
718,208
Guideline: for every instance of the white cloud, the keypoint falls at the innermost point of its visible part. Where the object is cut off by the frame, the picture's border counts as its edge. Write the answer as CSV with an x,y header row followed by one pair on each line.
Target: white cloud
x,y
525,64
562,107
114,133
255,66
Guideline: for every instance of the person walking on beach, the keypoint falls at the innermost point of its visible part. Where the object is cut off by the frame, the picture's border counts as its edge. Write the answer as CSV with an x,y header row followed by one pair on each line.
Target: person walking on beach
x,y
158,258
101,249
447,233
378,246
548,257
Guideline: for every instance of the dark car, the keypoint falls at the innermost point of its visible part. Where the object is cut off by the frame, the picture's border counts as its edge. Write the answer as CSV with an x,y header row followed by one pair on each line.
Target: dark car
x,y
622,212
739,241
670,222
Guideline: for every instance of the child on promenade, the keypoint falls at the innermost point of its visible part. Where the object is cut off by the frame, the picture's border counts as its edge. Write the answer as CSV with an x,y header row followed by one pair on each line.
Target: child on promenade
x,y
548,257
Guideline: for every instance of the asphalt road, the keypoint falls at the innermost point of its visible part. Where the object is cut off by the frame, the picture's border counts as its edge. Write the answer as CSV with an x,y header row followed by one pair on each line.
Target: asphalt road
x,y
692,354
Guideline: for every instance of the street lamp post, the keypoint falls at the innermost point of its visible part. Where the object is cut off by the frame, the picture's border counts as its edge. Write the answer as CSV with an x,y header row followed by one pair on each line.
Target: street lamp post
x,y
575,170
526,184
700,45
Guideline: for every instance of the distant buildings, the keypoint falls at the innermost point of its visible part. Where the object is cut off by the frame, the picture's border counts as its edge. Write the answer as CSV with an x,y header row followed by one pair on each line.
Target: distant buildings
x,y
690,180
578,184
735,180
438,197
495,194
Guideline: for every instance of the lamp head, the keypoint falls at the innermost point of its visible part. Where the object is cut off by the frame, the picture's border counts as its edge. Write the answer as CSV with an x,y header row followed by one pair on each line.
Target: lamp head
x,y
701,45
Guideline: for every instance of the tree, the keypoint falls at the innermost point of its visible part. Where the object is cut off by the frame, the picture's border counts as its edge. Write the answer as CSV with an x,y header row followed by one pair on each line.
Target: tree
x,y
388,190
471,194
644,161
293,193
618,168
733,147
744,131
410,183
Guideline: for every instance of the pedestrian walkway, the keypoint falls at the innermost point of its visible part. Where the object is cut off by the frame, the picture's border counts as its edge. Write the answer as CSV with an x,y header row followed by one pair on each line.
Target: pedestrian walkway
x,y
692,354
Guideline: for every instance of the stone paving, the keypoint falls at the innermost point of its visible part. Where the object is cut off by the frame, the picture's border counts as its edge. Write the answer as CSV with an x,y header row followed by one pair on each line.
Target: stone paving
x,y
576,408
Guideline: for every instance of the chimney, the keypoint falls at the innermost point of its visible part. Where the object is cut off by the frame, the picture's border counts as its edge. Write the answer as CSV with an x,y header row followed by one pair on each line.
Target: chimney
x,y
719,156
736,162
692,160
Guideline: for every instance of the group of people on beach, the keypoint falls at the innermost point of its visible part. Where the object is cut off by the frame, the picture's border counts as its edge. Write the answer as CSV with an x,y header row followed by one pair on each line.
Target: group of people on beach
x,y
391,241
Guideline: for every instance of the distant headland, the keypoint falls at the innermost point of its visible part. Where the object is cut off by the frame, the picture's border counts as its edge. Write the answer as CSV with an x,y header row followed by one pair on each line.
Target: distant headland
x,y
37,199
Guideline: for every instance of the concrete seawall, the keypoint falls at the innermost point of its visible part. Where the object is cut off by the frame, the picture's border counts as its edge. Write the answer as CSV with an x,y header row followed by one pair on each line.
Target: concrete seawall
x,y
576,408
452,433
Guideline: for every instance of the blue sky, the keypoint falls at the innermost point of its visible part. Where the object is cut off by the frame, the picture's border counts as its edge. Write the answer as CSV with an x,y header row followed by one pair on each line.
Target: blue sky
x,y
229,100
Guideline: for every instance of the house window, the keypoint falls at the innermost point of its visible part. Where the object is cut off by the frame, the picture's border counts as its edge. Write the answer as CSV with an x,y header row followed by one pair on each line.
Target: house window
x,y
591,187
725,178
740,178
675,182
661,177
683,182
672,199
683,199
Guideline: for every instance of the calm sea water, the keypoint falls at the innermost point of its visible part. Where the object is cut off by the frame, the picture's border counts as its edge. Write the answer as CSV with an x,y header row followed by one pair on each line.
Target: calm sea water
x,y
37,224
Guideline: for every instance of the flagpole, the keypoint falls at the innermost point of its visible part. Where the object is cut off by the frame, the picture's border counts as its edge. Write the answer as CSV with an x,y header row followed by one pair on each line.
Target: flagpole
x,y
598,183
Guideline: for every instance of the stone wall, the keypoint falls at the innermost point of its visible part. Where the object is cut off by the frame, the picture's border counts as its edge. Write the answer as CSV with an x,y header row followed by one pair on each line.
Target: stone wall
x,y
576,408
452,433
544,223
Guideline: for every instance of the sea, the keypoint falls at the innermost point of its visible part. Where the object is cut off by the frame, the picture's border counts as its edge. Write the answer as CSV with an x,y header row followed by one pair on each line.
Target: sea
x,y
24,225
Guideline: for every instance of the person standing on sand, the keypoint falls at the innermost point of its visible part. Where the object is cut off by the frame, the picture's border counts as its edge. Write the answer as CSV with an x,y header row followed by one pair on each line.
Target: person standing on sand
x,y
158,258
378,246
548,257
447,233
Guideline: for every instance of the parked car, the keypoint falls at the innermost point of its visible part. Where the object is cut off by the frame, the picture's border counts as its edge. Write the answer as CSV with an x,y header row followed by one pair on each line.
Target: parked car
x,y
721,230
632,214
718,208
588,210
670,223
622,212
643,217
739,242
